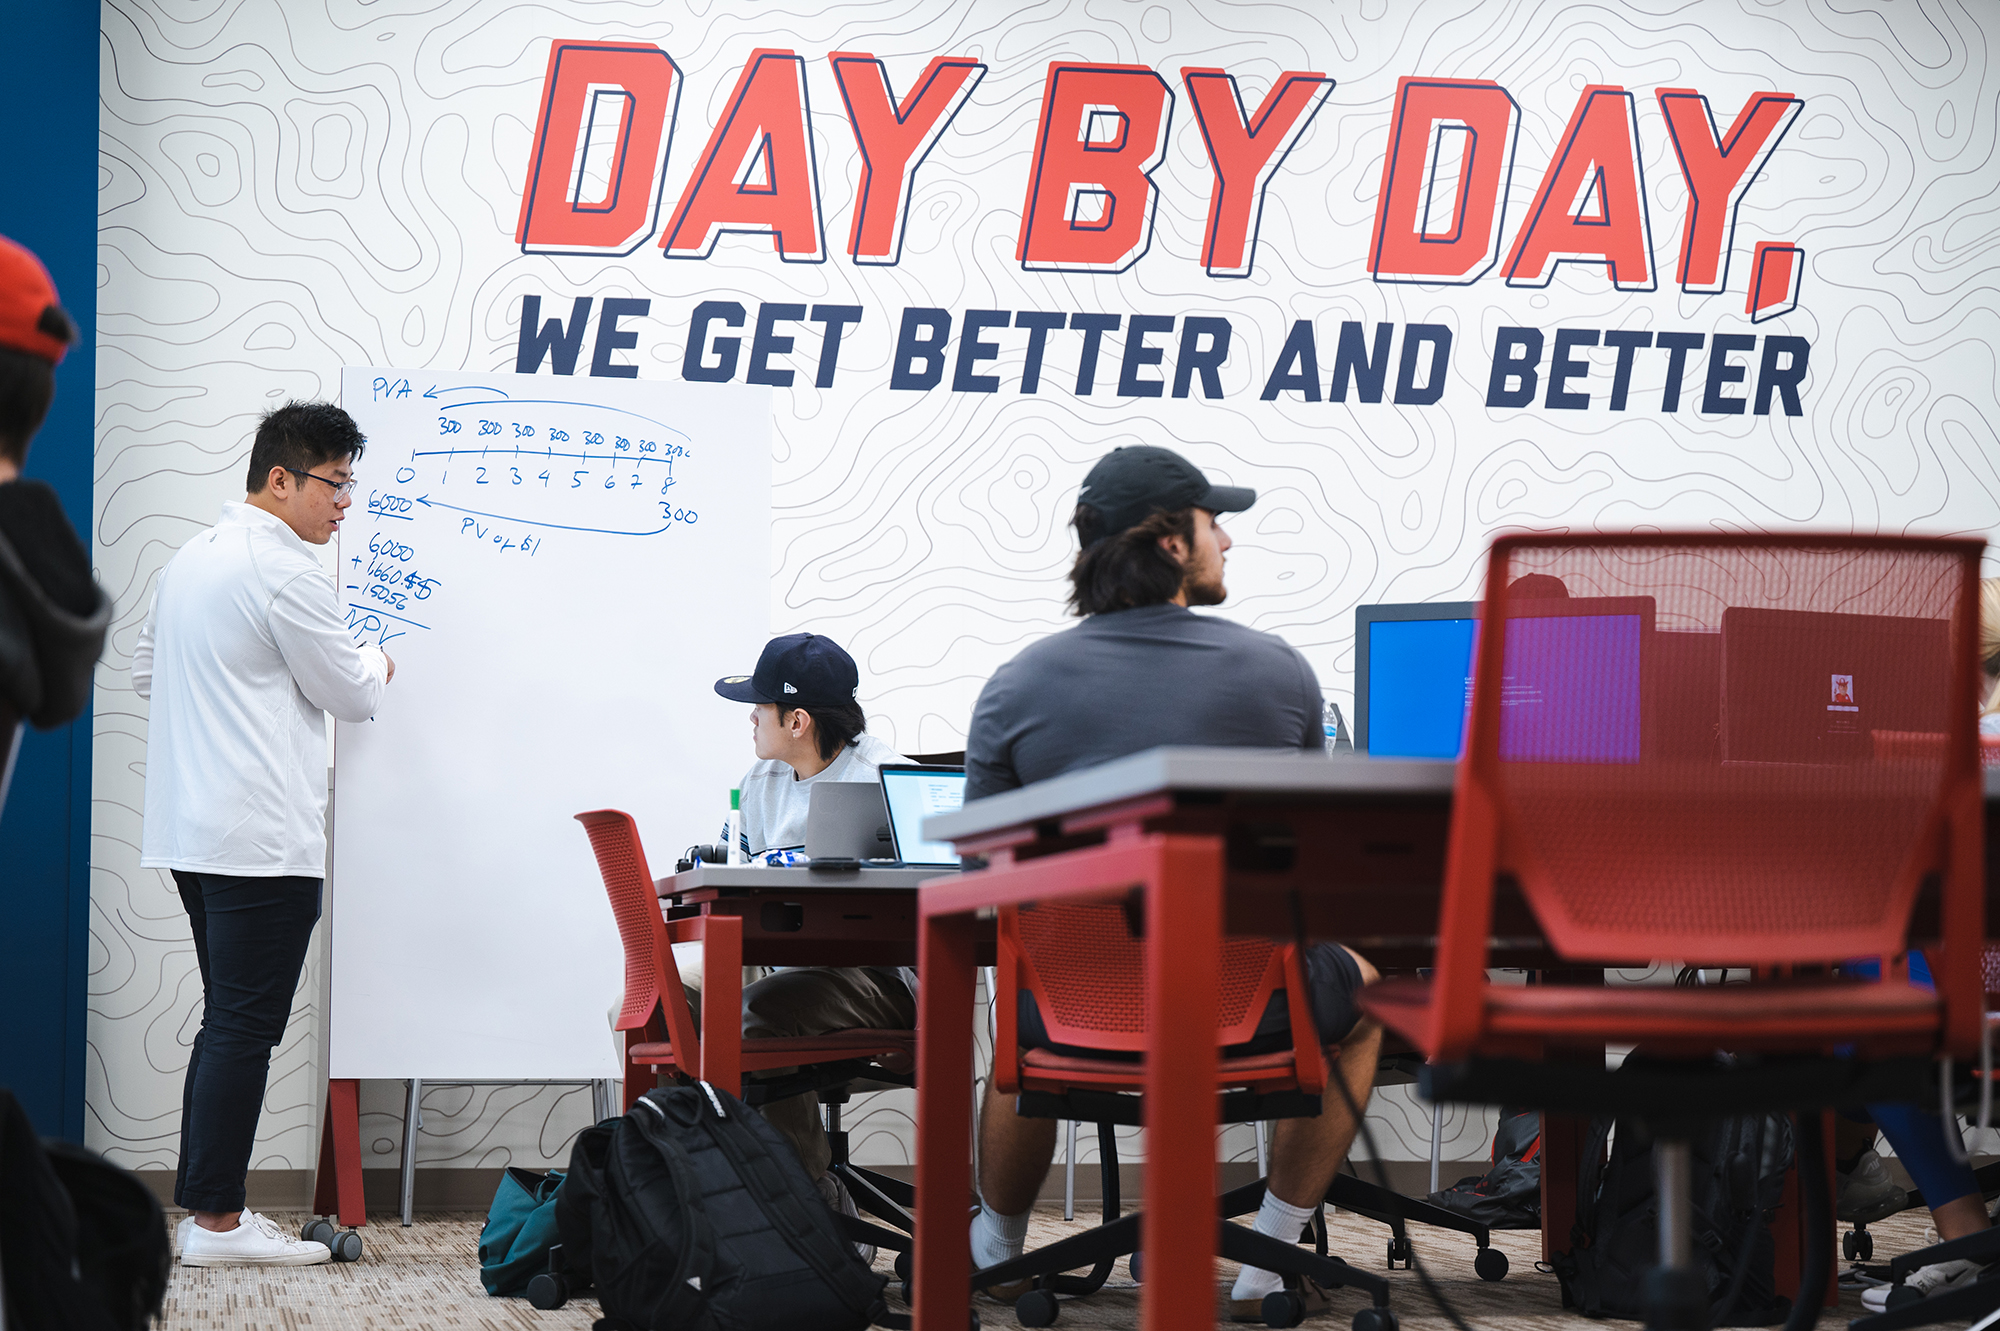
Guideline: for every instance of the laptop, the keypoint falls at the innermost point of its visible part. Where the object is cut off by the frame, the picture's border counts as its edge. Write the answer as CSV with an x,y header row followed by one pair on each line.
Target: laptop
x,y
1802,686
913,793
846,820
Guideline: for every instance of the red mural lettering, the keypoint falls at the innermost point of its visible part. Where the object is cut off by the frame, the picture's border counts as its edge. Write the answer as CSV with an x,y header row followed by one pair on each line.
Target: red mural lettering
x,y
1246,152
1443,128
1090,202
1718,171
606,121
758,173
894,140
1591,204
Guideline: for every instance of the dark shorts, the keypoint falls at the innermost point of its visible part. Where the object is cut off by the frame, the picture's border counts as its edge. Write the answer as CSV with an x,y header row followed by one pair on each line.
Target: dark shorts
x,y
1333,980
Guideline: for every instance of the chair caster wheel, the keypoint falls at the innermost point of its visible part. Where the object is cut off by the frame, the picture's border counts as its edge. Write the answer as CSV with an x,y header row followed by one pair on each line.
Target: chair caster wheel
x,y
1399,1254
548,1291
1038,1307
317,1230
903,1267
1902,1296
346,1246
1490,1264
1283,1309
1136,1266
1375,1319
1857,1245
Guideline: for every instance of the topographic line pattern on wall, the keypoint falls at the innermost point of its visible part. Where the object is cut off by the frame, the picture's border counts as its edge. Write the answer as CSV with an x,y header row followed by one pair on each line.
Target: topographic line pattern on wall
x,y
286,190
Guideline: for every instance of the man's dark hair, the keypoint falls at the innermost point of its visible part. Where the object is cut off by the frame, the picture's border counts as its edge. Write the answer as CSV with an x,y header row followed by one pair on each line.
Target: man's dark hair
x,y
27,386
1128,570
300,436
835,725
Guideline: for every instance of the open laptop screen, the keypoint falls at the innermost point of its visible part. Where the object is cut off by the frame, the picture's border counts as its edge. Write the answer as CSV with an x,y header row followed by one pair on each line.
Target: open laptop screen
x,y
913,794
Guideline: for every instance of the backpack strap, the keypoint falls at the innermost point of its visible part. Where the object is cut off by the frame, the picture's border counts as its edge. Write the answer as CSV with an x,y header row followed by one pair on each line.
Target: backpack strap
x,y
686,1304
855,1286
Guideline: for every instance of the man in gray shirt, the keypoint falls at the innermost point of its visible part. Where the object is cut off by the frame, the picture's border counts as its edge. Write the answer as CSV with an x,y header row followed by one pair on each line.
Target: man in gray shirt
x,y
1143,670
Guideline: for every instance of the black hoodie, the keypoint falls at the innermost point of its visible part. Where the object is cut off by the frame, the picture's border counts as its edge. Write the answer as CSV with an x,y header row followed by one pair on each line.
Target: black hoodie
x,y
53,615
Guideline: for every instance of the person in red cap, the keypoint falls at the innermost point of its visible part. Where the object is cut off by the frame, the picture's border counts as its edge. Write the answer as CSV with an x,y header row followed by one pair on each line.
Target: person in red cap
x,y
53,615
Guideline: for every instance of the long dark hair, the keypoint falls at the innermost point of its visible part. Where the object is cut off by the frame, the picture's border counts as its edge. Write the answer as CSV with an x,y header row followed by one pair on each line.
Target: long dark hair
x,y
1128,570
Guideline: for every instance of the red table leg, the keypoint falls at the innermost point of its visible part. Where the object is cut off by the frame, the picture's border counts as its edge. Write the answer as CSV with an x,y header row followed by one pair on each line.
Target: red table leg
x,y
943,1259
722,1002
1183,961
337,1189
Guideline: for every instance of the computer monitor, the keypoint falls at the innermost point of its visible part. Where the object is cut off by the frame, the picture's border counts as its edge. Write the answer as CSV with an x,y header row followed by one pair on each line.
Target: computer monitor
x,y
915,792
1412,675
1574,680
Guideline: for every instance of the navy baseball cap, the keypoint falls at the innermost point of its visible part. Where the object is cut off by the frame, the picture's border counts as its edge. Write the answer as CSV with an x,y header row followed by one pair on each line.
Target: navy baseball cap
x,y
799,669
1129,485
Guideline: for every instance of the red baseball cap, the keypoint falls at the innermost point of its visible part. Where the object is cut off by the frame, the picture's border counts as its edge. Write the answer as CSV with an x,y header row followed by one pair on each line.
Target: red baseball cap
x,y
30,318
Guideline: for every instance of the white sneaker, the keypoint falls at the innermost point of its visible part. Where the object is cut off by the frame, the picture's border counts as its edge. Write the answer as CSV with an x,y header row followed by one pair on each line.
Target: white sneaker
x,y
181,1233
840,1200
1926,1281
254,1242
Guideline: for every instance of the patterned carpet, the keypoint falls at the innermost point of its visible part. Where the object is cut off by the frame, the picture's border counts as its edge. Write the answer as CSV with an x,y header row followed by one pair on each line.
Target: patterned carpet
x,y
427,1277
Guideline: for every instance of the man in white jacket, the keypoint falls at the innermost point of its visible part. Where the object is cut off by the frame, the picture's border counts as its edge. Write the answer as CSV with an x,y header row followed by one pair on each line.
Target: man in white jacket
x,y
243,654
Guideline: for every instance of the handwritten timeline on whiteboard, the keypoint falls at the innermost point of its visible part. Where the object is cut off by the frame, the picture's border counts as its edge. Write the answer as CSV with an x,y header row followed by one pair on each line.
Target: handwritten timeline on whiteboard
x,y
560,582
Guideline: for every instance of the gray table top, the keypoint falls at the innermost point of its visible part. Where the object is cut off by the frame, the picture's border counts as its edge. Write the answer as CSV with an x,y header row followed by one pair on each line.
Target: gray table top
x,y
1217,770
876,878
1222,770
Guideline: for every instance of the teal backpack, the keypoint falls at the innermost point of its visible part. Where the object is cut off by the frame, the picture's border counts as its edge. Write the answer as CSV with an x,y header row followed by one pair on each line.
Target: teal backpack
x,y
520,1230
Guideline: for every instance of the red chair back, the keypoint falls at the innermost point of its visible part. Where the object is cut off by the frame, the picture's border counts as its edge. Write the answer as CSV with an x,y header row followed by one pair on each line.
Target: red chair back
x,y
652,979
1087,974
1800,835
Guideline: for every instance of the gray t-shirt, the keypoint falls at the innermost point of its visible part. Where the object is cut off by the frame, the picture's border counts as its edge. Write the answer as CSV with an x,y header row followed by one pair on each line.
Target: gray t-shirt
x,y
1131,680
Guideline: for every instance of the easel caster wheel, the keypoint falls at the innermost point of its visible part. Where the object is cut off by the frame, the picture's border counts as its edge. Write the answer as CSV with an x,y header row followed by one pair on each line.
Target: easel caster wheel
x,y
548,1291
1375,1319
1490,1264
1038,1307
1284,1308
346,1246
1399,1254
1137,1266
317,1230
903,1267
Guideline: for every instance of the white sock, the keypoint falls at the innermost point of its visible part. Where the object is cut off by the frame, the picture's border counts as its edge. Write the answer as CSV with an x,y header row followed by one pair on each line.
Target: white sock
x,y
1281,1220
997,1238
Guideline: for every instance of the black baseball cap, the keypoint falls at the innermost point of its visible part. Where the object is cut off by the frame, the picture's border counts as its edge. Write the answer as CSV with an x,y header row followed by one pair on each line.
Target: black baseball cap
x,y
799,669
1129,485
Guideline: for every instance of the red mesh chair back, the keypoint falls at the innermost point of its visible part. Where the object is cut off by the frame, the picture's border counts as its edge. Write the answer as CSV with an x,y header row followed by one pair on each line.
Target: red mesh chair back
x,y
1842,746
652,980
1087,974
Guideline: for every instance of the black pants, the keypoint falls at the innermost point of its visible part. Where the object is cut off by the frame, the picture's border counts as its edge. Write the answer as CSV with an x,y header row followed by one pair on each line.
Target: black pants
x,y
250,937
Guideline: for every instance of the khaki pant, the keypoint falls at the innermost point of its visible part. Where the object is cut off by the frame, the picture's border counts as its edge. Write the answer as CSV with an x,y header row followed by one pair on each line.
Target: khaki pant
x,y
812,1000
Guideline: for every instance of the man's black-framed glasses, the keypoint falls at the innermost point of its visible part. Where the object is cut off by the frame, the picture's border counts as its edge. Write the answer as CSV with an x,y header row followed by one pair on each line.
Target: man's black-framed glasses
x,y
341,489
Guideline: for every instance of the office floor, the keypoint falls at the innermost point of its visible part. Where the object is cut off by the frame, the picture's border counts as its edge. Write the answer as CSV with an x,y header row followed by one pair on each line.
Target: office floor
x,y
428,1277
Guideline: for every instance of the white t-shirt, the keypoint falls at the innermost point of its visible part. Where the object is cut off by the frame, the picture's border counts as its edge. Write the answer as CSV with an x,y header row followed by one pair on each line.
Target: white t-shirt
x,y
775,800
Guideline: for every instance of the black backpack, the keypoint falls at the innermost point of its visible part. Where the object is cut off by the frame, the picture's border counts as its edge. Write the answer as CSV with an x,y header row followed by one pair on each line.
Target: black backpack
x,y
691,1213
83,1243
1508,1195
1736,1176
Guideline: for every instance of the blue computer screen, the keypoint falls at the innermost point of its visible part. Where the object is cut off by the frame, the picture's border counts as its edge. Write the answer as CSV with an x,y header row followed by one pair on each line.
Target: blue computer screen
x,y
1570,691
1417,676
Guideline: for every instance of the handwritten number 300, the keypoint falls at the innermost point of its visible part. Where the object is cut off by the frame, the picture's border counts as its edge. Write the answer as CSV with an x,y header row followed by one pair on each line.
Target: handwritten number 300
x,y
668,513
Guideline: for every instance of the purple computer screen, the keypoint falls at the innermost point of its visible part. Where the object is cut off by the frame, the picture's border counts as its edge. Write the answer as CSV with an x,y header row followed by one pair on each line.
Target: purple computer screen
x,y
1570,692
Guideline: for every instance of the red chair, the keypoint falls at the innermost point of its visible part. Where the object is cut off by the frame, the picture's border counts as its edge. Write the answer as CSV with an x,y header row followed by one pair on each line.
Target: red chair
x,y
1790,846
659,1026
1080,970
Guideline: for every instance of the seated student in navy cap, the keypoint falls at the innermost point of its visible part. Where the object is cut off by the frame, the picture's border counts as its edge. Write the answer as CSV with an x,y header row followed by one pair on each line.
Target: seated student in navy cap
x,y
807,729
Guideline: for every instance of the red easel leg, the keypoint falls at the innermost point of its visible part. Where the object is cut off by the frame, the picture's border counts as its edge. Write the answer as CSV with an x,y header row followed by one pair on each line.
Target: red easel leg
x,y
337,1189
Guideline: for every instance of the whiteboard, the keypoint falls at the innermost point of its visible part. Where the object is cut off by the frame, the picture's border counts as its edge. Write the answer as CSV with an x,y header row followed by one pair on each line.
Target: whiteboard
x,y
561,571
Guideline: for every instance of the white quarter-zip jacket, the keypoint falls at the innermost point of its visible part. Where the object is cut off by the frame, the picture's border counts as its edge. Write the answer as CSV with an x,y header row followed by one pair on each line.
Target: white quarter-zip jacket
x,y
243,654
